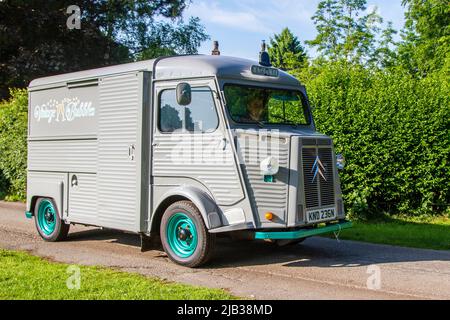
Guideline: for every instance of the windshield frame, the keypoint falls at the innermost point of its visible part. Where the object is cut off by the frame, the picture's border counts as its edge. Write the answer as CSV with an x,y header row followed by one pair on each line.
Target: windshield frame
x,y
304,103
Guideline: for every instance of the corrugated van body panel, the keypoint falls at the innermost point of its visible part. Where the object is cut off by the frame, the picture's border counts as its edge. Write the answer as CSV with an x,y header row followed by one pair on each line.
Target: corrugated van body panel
x,y
118,129
272,196
83,198
199,157
63,156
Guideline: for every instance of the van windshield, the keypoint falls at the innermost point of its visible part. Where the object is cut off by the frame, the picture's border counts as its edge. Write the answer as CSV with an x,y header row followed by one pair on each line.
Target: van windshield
x,y
259,105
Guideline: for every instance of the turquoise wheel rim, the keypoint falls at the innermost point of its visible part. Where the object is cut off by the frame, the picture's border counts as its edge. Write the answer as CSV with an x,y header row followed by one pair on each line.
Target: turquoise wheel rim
x,y
46,217
182,235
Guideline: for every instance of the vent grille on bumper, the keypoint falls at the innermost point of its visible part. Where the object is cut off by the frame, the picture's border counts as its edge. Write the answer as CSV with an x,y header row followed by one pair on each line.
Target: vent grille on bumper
x,y
319,192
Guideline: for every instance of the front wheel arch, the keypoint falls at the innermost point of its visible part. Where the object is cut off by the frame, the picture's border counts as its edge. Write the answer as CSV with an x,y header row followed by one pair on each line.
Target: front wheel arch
x,y
204,203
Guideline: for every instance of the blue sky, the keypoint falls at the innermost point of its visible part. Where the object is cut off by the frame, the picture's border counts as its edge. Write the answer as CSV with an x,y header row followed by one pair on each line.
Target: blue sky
x,y
240,25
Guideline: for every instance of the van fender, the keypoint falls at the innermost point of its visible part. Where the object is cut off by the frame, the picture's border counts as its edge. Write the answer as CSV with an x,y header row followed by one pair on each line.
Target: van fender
x,y
203,201
45,189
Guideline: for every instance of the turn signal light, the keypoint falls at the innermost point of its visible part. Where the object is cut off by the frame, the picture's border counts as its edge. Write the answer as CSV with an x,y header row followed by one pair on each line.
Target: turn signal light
x,y
269,216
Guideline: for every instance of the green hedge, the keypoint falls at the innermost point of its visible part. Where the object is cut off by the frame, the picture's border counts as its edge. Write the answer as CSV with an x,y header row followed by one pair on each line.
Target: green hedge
x,y
394,133
13,145
392,129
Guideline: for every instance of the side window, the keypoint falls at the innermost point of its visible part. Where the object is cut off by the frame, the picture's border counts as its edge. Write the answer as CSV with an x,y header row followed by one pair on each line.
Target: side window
x,y
199,117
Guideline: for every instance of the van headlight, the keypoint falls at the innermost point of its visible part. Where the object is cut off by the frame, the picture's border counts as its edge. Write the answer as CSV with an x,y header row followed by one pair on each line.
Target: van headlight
x,y
340,161
269,166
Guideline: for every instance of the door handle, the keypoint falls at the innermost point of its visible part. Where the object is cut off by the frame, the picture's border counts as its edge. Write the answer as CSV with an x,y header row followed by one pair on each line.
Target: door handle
x,y
223,143
131,149
74,181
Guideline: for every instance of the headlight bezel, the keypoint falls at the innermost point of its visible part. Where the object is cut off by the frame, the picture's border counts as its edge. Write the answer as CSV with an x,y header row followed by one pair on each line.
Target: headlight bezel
x,y
269,166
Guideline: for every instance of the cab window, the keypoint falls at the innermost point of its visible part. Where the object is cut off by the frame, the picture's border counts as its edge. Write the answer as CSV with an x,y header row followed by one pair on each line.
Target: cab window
x,y
198,117
266,106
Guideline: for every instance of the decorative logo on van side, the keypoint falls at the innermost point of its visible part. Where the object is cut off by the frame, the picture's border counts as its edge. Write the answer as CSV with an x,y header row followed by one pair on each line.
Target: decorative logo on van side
x,y
318,168
67,109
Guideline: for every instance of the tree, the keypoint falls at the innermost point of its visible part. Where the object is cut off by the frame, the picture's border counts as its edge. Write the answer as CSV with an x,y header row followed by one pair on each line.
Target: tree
x,y
170,119
329,31
385,55
286,51
380,113
426,36
166,39
35,40
345,30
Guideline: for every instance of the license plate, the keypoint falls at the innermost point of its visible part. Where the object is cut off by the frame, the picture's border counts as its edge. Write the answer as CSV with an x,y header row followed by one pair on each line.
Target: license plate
x,y
318,215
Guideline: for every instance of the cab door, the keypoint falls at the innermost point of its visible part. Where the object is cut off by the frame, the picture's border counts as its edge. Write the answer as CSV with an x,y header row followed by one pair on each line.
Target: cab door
x,y
191,144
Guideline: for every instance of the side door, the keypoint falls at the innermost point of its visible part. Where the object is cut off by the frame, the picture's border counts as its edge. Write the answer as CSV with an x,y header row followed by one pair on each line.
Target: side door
x,y
191,145
119,158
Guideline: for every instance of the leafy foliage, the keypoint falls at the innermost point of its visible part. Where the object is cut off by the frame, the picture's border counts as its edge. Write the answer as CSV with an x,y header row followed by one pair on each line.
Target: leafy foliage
x,y
394,132
13,145
384,56
35,41
286,51
426,38
166,39
346,31
415,232
386,104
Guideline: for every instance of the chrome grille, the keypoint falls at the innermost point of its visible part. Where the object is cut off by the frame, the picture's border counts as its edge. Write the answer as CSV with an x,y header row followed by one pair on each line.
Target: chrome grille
x,y
311,189
326,187
319,192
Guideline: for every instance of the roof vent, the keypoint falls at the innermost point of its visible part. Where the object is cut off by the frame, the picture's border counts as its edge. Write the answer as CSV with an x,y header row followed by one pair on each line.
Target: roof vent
x,y
264,58
215,51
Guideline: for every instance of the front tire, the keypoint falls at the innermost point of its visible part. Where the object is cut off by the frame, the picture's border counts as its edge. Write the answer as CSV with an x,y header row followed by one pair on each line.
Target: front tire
x,y
48,221
184,236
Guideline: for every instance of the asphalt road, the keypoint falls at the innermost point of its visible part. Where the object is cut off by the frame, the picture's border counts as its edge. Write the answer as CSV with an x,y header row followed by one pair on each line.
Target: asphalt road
x,y
318,268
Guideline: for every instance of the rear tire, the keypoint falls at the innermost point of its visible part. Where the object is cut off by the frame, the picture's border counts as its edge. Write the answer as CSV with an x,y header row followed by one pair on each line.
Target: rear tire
x,y
48,221
184,235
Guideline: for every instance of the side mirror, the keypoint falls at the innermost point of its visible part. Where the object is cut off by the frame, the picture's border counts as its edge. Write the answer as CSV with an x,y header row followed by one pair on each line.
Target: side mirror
x,y
184,94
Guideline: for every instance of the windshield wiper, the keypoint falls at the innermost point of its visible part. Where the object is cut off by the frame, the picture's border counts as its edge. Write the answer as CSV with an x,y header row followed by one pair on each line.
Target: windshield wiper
x,y
259,123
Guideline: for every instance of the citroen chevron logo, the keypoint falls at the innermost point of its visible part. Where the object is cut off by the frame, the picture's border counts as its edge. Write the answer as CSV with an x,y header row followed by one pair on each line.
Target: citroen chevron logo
x,y
318,169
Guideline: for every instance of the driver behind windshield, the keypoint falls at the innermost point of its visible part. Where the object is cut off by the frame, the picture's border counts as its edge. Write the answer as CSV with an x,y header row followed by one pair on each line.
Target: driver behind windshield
x,y
256,106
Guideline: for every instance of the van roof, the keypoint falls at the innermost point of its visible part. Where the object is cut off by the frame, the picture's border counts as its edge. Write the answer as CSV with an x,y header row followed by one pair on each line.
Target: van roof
x,y
177,67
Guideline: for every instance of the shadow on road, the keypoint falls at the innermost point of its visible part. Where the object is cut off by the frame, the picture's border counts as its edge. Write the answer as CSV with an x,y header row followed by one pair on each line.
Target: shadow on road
x,y
107,235
313,252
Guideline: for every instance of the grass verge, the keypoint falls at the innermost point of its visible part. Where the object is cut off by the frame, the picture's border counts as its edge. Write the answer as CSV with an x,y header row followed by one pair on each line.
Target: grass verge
x,y
23,276
431,233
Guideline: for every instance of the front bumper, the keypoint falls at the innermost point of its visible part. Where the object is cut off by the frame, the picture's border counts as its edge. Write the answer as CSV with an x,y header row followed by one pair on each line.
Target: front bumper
x,y
302,233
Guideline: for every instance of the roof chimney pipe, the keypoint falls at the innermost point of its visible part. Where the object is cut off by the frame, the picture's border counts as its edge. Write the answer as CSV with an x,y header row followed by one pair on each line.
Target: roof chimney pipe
x,y
264,58
215,51
263,45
